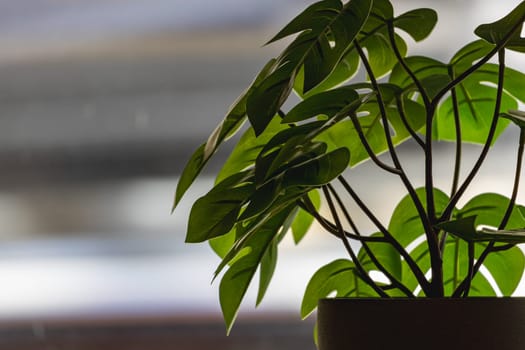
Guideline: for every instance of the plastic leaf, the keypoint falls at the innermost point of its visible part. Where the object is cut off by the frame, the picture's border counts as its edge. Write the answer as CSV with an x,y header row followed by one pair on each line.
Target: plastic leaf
x,y
506,31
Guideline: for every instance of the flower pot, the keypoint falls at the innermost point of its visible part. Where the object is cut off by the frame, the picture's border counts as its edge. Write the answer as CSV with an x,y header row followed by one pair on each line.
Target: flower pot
x,y
423,324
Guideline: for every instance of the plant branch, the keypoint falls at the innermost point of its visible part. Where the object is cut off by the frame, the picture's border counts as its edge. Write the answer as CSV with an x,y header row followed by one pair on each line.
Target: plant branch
x,y
332,228
418,274
490,137
394,281
361,271
401,60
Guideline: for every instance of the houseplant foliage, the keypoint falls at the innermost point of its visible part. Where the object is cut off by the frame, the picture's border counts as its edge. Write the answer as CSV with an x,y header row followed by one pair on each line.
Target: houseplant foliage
x,y
289,161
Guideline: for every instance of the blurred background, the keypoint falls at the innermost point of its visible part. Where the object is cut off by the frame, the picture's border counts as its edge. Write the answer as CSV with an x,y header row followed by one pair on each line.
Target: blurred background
x,y
101,105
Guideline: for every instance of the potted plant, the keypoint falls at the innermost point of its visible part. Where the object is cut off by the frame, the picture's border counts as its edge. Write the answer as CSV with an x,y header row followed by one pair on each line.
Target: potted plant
x,y
361,96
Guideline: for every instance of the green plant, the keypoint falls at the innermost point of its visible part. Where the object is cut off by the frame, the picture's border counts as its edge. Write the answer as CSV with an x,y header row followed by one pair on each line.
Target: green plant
x,y
273,178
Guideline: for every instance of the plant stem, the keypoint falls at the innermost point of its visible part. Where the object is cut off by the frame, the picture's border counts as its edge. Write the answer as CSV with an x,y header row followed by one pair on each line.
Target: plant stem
x,y
457,162
332,229
457,125
517,176
361,271
394,281
401,60
427,219
418,274
490,137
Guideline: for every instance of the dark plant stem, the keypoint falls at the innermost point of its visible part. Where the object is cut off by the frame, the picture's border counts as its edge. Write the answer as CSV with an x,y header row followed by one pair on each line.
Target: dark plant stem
x,y
457,162
361,271
517,176
394,281
427,219
331,227
401,60
490,137
369,149
418,274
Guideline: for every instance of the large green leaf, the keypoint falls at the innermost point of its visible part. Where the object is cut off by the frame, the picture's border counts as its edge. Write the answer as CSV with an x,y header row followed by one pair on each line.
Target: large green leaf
x,y
476,99
326,29
230,124
506,31
418,23
215,213
340,277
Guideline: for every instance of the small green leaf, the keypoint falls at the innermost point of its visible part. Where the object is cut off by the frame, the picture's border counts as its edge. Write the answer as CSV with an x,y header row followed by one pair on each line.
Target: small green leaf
x,y
318,171
417,23
268,264
466,229
327,103
506,31
303,220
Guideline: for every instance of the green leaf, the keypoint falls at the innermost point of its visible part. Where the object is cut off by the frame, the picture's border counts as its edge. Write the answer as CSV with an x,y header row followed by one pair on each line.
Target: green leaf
x,y
417,23
236,280
340,277
221,245
476,99
303,220
318,171
432,74
506,31
487,209
385,253
406,227
228,127
506,267
215,213
327,29
344,134
247,149
327,103
264,102
466,229
268,264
